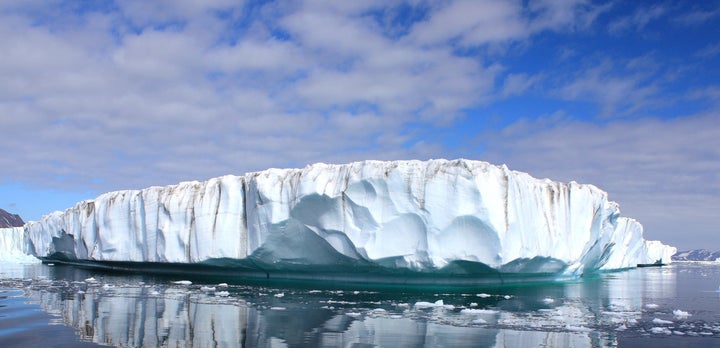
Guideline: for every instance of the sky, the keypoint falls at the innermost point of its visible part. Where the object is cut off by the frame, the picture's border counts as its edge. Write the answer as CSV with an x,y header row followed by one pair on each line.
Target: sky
x,y
98,96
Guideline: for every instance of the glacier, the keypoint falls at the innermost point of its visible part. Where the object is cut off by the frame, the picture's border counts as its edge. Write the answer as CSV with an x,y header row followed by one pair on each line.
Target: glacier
x,y
438,219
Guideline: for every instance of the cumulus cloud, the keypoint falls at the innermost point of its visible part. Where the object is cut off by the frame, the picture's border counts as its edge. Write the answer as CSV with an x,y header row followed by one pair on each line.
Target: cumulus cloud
x,y
153,93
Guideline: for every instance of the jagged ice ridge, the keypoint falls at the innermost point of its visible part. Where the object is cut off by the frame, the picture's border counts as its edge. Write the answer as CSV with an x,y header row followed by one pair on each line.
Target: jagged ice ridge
x,y
422,216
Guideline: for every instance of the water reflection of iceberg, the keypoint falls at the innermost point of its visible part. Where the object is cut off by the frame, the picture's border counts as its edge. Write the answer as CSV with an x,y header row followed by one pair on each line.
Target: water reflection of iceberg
x,y
138,319
125,311
133,316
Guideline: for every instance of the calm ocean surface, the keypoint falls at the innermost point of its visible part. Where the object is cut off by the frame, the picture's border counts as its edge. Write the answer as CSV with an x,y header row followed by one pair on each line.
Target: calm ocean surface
x,y
62,306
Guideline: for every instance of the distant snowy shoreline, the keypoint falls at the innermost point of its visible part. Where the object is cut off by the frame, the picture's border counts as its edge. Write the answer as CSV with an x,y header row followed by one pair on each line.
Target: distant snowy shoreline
x,y
697,255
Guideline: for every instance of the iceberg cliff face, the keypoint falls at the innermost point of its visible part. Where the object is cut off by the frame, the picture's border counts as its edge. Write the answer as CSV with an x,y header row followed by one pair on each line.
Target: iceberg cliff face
x,y
13,246
422,216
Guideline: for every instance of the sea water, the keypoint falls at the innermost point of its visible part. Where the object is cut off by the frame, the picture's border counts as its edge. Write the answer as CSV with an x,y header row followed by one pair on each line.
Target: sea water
x,y
63,306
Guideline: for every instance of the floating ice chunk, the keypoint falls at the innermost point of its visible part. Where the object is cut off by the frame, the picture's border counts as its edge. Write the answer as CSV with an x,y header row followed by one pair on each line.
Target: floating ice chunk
x,y
91,280
680,314
282,294
207,288
154,293
107,286
622,327
577,328
659,321
278,308
183,282
479,321
222,294
478,311
483,295
473,304
678,333
660,330
222,285
423,304
548,300
651,306
507,297
353,314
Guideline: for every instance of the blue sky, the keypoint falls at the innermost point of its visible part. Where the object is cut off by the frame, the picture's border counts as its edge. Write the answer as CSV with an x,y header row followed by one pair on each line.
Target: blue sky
x,y
98,96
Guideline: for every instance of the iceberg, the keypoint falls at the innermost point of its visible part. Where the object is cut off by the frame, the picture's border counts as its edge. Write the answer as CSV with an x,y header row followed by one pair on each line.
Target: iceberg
x,y
394,221
13,246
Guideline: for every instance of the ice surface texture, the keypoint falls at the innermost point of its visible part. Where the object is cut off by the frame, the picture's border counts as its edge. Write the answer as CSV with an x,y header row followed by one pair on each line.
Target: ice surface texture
x,y
13,247
413,215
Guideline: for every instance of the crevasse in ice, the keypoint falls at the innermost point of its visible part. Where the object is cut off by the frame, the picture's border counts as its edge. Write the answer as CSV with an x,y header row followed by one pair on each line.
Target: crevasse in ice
x,y
414,215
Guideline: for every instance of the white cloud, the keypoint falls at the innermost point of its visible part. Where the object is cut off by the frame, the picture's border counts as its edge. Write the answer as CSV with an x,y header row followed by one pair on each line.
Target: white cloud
x,y
163,55
709,51
638,20
565,14
145,13
516,84
698,17
134,108
472,23
619,88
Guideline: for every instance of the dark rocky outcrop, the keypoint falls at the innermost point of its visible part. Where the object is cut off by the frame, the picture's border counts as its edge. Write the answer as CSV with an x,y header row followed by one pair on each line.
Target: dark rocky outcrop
x,y
10,220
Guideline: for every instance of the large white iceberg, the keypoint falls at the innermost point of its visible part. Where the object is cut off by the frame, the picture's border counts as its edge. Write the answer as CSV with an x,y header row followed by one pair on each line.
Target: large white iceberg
x,y
13,246
437,217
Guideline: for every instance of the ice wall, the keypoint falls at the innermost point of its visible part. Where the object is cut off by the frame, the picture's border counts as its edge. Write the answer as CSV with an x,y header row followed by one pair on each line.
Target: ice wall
x,y
13,246
187,222
402,214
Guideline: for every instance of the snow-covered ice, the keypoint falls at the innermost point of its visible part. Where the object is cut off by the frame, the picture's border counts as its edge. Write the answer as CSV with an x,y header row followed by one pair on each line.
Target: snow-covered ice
x,y
660,330
680,314
425,304
659,321
423,216
13,246
478,311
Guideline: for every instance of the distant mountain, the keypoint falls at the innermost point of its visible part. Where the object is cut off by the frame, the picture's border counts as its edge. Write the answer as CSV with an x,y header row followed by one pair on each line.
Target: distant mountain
x,y
10,220
696,255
